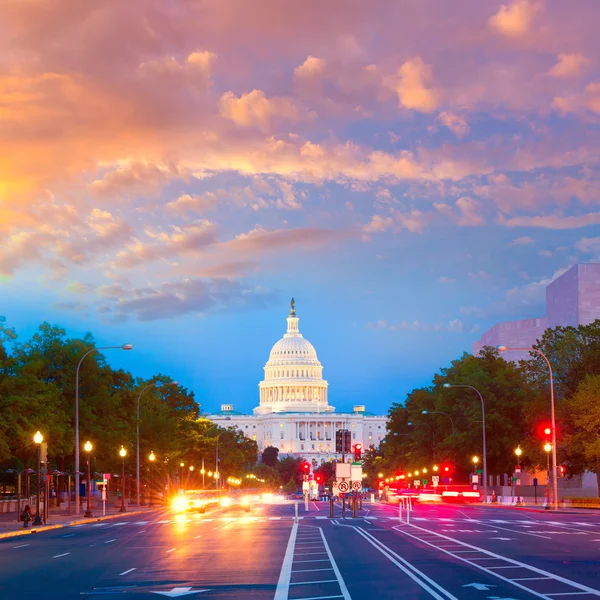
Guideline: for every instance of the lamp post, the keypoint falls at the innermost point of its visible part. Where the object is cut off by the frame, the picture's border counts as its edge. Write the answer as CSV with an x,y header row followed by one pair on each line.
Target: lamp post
x,y
38,438
554,463
485,473
475,460
191,474
202,472
439,412
217,461
123,454
152,458
518,453
123,347
180,475
547,449
88,448
155,384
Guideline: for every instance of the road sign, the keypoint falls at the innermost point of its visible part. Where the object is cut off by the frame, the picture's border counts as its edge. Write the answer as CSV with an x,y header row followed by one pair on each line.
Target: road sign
x,y
479,471
305,486
425,481
106,476
343,470
514,479
535,481
475,479
517,469
357,486
343,487
356,472
417,483
435,480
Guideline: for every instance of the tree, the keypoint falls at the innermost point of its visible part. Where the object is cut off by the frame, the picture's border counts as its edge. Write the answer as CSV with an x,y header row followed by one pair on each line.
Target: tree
x,y
584,407
270,456
291,486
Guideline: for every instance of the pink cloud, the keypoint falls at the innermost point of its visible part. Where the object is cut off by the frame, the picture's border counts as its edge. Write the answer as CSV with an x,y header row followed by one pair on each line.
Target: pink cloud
x,y
552,221
413,86
569,65
515,19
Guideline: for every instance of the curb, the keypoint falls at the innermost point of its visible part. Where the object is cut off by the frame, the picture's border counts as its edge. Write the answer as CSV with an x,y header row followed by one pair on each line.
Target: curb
x,y
527,509
25,531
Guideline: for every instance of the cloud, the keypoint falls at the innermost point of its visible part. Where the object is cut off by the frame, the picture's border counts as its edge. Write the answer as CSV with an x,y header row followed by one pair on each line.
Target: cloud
x,y
569,65
414,221
189,296
457,124
589,245
198,204
522,241
469,209
515,19
552,221
254,109
446,279
453,326
412,86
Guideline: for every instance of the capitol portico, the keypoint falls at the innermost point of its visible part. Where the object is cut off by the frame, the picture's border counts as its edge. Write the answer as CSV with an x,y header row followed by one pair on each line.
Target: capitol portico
x,y
294,414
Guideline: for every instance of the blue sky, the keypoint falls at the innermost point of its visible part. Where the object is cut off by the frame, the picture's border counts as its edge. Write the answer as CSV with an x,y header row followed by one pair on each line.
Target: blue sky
x,y
410,173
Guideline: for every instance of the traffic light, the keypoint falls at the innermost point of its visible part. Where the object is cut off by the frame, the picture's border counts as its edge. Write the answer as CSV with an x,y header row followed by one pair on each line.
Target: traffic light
x,y
357,451
305,468
562,470
339,436
347,441
318,479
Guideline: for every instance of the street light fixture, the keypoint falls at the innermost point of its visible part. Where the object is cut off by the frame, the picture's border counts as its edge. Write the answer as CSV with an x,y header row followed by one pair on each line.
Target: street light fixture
x,y
439,412
553,449
485,473
155,385
123,347
38,438
475,460
88,448
123,454
152,458
518,452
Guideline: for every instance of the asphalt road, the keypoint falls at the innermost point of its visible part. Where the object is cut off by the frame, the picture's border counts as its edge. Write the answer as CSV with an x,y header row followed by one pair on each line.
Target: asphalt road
x,y
445,552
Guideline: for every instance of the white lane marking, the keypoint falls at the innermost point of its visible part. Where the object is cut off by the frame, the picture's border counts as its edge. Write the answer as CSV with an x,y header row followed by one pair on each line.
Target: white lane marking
x,y
111,541
341,582
320,597
316,560
21,546
283,585
407,568
274,518
141,522
313,582
99,524
128,571
68,536
494,556
311,570
59,555
171,550
162,522
198,536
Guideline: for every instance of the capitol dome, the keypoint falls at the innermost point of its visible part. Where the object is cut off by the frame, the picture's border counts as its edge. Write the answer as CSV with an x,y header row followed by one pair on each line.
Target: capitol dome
x,y
293,375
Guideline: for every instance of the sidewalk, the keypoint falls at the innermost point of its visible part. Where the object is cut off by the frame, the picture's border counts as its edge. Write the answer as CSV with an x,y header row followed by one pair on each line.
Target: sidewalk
x,y
9,527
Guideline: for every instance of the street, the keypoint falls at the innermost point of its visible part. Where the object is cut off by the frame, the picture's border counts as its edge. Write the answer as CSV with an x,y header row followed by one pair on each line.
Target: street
x,y
445,552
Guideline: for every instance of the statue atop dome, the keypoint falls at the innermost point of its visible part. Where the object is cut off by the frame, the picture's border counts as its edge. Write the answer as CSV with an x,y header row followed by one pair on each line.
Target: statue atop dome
x,y
292,308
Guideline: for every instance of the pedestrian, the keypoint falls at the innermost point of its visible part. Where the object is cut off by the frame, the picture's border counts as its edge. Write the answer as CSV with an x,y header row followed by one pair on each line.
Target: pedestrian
x,y
26,516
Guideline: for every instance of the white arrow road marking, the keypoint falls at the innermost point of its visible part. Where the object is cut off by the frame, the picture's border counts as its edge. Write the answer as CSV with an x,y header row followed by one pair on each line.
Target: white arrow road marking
x,y
480,586
59,555
503,539
180,591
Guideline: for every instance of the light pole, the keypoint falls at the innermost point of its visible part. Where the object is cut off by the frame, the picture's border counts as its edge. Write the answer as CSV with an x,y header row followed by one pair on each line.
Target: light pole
x,y
123,454
191,473
202,472
88,448
152,458
518,452
485,472
554,463
217,461
123,347
439,412
38,438
155,384
547,449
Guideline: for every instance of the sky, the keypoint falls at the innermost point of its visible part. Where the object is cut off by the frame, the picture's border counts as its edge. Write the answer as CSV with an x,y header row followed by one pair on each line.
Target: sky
x,y
410,171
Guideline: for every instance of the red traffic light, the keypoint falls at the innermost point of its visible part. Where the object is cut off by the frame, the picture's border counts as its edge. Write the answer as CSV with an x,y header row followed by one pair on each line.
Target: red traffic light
x,y
357,446
547,431
446,469
306,467
318,478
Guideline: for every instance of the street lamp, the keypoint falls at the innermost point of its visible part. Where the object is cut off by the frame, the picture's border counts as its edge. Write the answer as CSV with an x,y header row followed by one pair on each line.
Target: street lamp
x,y
123,454
38,438
88,448
547,449
152,458
202,472
123,347
485,473
154,384
439,412
553,449
518,452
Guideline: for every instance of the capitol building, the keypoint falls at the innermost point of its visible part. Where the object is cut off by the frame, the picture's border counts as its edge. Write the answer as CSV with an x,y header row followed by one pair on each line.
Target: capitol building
x,y
294,414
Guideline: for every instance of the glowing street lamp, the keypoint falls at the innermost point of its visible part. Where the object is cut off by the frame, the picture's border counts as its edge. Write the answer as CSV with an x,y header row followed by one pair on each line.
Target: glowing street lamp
x,y
123,454
435,468
380,475
518,452
38,438
151,458
475,460
88,448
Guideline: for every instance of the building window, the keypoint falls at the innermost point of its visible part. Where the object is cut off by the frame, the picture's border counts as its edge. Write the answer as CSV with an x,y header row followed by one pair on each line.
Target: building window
x,y
280,424
246,426
353,424
281,447
354,435
301,446
313,446
378,426
282,434
253,426
379,436
370,436
254,436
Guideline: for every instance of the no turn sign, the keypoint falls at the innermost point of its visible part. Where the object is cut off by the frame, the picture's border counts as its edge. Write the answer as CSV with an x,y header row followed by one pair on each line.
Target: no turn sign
x,y
343,487
357,486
